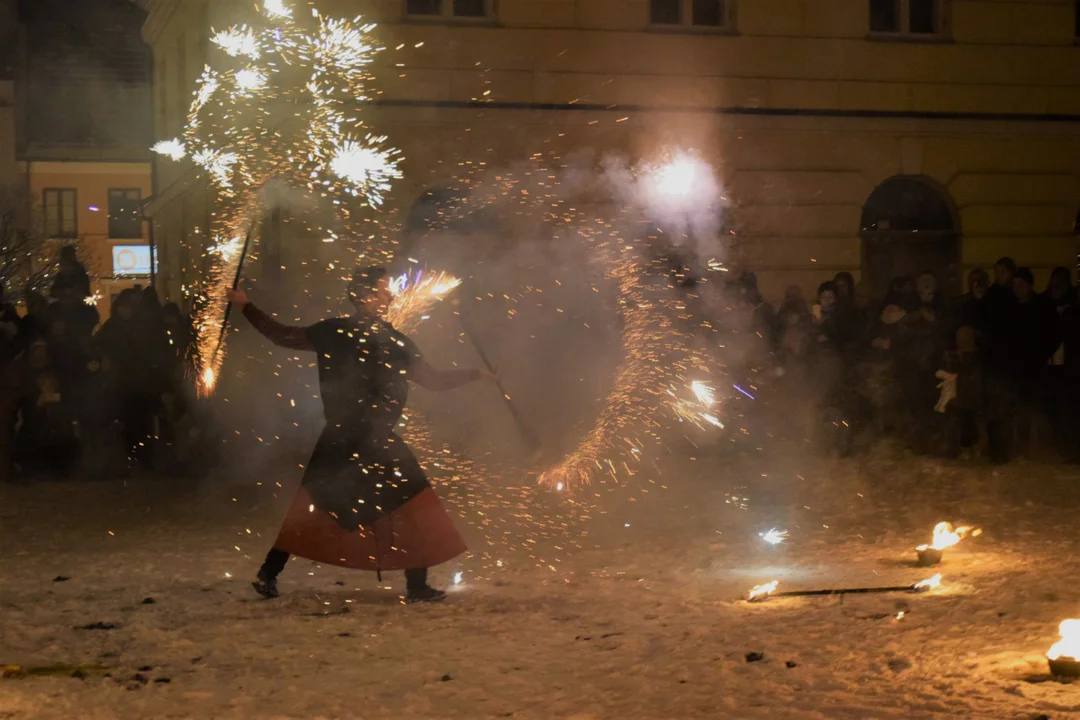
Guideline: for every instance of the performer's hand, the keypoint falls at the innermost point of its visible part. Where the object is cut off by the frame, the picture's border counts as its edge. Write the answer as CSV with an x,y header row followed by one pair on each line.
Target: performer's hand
x,y
238,298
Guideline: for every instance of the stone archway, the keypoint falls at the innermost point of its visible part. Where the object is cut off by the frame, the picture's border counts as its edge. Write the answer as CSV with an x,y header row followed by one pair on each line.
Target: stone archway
x,y
909,226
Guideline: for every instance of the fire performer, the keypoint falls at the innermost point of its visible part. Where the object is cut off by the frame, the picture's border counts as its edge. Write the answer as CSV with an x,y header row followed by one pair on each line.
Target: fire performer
x,y
365,502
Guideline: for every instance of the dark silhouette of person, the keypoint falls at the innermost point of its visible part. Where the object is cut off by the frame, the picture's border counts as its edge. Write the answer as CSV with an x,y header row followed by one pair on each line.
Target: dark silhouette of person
x,y
1032,339
365,502
71,275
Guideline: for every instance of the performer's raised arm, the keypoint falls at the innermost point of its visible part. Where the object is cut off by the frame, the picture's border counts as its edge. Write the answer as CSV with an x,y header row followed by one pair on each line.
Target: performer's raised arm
x,y
287,336
423,374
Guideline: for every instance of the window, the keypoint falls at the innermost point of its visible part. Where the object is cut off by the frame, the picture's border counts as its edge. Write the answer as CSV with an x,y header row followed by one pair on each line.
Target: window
x,y
693,13
450,8
125,213
61,212
906,17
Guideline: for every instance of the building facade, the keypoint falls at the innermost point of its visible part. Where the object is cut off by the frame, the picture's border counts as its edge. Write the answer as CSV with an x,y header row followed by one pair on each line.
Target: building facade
x,y
80,125
880,137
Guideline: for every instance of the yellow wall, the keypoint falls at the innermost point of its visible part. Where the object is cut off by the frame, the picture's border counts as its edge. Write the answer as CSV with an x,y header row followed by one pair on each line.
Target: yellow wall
x,y
802,111
92,182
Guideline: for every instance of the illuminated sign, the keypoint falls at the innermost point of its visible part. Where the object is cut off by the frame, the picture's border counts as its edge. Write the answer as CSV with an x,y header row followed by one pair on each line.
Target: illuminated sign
x,y
131,260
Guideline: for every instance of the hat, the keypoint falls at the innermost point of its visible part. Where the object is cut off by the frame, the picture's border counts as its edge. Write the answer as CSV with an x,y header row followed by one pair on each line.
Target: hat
x,y
1024,273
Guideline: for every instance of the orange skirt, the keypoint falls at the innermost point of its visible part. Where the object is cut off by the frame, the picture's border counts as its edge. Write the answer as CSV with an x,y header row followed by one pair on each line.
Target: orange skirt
x,y
418,534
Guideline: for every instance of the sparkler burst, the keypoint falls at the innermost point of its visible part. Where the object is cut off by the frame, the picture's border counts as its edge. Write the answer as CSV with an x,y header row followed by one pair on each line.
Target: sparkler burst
x,y
173,149
366,168
774,536
415,296
280,102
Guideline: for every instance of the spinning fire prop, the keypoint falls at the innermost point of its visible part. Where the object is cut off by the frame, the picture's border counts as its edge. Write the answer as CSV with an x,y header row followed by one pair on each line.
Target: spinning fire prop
x,y
280,101
760,593
1064,655
945,536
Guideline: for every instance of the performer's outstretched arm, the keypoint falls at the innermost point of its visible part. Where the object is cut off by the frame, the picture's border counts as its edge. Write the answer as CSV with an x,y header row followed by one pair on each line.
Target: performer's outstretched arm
x,y
287,336
429,378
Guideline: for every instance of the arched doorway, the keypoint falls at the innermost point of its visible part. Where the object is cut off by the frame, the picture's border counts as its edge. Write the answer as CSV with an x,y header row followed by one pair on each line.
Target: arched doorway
x,y
909,227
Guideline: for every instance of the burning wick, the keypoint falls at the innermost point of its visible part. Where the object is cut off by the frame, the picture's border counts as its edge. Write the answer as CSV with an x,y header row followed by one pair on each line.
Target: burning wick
x,y
928,584
1064,655
774,536
761,592
457,578
208,379
945,536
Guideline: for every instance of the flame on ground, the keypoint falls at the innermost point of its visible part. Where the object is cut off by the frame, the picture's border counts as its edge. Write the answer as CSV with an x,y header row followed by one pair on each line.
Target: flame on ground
x,y
928,584
761,592
1069,644
945,536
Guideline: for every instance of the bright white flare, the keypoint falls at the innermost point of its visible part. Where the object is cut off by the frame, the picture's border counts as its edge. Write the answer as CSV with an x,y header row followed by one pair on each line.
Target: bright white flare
x,y
238,41
457,578
774,536
277,8
681,183
249,80
1069,644
173,149
367,169
703,392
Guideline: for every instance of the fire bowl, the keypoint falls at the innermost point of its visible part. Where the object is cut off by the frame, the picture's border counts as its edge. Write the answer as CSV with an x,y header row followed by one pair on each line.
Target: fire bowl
x,y
929,557
1065,667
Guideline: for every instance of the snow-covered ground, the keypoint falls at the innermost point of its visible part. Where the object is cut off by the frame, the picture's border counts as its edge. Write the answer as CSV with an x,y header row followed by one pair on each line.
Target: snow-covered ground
x,y
643,621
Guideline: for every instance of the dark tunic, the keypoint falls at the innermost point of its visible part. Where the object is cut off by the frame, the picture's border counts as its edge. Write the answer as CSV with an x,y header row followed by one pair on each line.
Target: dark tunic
x,y
361,469
362,474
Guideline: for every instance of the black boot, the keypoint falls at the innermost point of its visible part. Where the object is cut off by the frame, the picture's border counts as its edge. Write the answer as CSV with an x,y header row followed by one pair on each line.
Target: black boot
x,y
266,582
424,594
417,589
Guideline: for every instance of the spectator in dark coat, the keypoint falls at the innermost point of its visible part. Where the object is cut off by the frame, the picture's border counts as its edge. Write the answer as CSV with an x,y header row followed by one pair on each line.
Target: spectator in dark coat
x,y
922,341
129,359
968,308
1032,340
70,275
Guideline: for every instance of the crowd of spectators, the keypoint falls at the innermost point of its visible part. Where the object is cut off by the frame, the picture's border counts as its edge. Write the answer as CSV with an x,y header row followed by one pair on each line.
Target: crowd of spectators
x,y
994,372
91,399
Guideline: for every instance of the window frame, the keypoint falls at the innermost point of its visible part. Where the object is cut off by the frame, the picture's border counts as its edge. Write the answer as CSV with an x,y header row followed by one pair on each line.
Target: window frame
x,y
686,20
941,34
60,233
446,14
138,198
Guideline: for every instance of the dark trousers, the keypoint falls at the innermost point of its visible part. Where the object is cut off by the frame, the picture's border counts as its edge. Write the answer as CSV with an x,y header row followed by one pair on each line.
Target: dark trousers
x,y
415,578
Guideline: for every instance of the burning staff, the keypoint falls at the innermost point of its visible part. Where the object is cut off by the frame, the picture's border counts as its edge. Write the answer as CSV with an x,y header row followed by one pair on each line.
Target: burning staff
x,y
760,593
